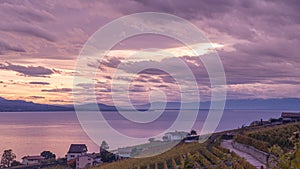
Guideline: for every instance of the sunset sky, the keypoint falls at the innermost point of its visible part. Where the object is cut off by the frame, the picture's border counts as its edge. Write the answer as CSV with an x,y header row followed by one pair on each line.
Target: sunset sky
x,y
258,42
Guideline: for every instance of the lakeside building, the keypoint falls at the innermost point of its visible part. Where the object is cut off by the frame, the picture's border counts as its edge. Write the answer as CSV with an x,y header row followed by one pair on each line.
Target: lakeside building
x,y
75,151
175,136
191,138
29,160
88,160
290,117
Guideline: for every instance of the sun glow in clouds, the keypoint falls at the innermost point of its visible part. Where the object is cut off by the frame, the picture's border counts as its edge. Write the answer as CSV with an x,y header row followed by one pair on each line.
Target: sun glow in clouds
x,y
202,48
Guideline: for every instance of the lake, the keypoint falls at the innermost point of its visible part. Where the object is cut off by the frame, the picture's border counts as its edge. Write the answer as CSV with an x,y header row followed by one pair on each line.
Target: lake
x,y
30,133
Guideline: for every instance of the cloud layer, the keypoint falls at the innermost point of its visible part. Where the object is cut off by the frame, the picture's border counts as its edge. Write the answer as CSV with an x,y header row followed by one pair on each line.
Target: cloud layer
x,y
259,41
35,71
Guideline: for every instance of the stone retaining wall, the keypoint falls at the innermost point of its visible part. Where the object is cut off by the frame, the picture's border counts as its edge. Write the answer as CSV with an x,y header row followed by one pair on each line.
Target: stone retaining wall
x,y
257,154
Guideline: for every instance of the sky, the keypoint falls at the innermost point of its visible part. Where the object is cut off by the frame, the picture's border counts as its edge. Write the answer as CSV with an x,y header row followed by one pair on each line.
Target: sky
x,y
40,41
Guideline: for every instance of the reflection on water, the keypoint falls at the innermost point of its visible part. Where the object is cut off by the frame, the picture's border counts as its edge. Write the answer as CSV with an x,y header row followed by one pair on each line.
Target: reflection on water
x,y
29,133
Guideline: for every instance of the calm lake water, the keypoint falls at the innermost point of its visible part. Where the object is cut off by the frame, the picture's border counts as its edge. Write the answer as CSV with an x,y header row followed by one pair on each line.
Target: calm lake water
x,y
29,133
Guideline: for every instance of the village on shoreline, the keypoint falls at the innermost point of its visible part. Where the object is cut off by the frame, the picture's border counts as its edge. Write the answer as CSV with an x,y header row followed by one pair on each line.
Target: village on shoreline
x,y
78,156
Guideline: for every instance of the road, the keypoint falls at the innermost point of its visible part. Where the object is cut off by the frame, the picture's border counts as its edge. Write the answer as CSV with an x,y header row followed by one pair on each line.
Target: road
x,y
227,144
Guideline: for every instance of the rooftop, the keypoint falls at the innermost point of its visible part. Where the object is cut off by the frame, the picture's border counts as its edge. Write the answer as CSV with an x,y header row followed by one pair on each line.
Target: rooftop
x,y
91,155
178,133
287,114
33,157
77,148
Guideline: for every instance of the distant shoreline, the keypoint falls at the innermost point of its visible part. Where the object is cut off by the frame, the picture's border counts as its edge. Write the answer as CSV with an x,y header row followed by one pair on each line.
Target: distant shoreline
x,y
41,111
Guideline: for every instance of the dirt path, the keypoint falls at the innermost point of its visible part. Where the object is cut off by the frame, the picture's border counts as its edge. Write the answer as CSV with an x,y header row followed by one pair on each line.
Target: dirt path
x,y
227,144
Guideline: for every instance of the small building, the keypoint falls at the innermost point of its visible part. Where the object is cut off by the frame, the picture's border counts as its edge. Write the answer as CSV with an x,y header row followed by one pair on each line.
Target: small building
x,y
175,136
75,151
29,160
88,160
191,138
290,117
261,122
124,153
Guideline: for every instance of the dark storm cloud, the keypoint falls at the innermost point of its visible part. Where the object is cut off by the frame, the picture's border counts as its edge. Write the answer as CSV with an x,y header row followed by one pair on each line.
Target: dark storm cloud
x,y
60,101
29,30
25,12
39,83
175,69
107,77
36,97
152,71
153,80
35,71
162,86
58,90
168,79
85,85
107,62
240,15
138,85
266,37
25,18
138,89
191,9
4,47
261,38
111,62
247,68
139,79
264,28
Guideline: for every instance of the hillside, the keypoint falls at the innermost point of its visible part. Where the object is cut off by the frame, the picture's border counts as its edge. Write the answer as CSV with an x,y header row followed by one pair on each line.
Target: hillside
x,y
254,104
21,105
250,104
185,156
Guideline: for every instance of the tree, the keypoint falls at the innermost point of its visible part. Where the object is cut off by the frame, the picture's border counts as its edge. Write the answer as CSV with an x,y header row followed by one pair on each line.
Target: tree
x,y
107,156
15,163
104,145
48,155
193,132
7,158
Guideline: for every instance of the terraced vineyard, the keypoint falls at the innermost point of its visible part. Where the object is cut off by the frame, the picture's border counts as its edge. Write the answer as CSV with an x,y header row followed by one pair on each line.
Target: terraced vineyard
x,y
185,156
210,155
265,138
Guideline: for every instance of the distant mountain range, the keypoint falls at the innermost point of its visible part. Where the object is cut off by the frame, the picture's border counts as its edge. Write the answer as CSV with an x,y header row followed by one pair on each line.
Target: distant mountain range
x,y
21,105
258,104
254,104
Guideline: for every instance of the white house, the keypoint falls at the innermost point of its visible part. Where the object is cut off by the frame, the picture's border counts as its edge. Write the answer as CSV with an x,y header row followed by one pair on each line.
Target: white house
x,y
28,160
88,160
175,136
75,151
